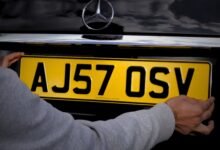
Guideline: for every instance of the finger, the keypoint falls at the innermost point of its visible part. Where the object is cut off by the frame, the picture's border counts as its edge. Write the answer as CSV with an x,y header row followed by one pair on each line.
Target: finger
x,y
207,114
11,58
205,129
207,104
12,61
15,55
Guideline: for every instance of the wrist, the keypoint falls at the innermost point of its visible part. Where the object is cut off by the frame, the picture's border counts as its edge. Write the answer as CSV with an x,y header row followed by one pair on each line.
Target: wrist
x,y
172,108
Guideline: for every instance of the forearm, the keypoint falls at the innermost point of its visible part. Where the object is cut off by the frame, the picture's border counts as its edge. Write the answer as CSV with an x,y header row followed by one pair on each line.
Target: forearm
x,y
135,130
27,122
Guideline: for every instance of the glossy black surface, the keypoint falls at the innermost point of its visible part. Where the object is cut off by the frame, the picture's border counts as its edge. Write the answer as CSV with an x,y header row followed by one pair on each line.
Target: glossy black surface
x,y
191,17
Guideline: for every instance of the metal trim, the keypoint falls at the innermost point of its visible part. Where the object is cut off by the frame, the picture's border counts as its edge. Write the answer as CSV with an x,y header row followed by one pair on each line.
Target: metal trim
x,y
127,40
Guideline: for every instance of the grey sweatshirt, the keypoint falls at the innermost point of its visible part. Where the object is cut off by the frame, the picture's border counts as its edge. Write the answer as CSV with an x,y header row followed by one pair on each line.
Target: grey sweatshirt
x,y
29,123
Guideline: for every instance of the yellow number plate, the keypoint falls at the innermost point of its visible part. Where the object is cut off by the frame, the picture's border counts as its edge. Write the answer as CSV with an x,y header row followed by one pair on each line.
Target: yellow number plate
x,y
137,81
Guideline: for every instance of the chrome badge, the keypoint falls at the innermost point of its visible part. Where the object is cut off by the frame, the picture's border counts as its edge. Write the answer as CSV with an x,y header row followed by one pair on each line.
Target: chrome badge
x,y
97,14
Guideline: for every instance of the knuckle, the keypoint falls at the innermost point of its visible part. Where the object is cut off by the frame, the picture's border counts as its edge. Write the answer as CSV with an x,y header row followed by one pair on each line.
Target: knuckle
x,y
198,120
193,122
199,111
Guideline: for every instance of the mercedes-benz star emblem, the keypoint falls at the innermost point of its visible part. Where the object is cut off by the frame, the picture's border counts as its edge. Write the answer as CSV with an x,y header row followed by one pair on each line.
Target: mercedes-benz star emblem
x,y
97,14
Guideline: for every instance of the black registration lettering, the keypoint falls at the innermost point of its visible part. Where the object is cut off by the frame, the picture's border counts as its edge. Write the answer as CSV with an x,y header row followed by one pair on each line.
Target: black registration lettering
x,y
184,86
155,81
109,69
65,88
82,78
39,78
142,72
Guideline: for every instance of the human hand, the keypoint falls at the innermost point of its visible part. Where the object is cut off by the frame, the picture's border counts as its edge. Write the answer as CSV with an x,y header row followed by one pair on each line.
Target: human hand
x,y
9,59
190,113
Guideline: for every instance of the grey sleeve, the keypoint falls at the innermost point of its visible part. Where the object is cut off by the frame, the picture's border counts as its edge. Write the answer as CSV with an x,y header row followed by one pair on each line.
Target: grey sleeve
x,y
30,123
